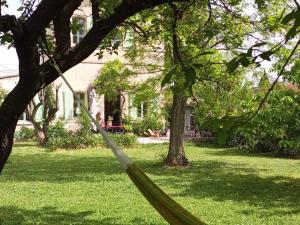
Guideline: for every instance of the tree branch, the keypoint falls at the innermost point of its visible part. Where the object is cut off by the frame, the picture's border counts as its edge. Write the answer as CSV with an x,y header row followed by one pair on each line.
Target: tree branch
x,y
137,28
8,23
272,86
62,28
95,10
42,16
96,34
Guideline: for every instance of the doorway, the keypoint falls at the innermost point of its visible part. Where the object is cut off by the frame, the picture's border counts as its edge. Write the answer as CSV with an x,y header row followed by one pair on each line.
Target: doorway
x,y
112,108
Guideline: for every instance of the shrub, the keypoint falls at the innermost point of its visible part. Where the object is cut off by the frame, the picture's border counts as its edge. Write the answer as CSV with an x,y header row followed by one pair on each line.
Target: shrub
x,y
59,137
75,141
57,131
276,128
25,133
152,122
124,140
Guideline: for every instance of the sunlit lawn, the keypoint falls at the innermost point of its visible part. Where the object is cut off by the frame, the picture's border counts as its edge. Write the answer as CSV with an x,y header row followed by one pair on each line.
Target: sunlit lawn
x,y
222,186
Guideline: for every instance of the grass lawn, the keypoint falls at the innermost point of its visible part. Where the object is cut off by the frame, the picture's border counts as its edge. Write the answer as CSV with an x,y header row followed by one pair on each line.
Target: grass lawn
x,y
223,186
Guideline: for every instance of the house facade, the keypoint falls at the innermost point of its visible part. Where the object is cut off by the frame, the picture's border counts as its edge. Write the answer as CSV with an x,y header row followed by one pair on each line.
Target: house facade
x,y
81,77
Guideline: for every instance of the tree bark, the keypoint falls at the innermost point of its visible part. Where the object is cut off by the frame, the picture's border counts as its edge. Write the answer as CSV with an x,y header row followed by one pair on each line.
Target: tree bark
x,y
176,154
6,143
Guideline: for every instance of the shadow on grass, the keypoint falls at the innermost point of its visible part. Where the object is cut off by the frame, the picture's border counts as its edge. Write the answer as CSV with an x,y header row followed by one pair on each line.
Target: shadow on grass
x,y
61,168
50,215
246,153
25,144
222,181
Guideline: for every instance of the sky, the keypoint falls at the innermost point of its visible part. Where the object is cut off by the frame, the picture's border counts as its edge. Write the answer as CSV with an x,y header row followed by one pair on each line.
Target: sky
x,y
8,57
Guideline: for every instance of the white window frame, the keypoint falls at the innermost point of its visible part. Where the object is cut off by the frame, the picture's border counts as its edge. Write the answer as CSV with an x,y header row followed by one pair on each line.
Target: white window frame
x,y
142,110
76,105
78,34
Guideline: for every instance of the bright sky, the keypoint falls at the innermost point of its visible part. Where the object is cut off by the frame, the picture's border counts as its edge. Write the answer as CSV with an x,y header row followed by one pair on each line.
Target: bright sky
x,y
8,57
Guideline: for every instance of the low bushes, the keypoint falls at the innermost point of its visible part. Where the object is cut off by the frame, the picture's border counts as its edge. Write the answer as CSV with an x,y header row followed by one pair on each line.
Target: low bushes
x,y
25,133
124,140
276,128
152,122
59,137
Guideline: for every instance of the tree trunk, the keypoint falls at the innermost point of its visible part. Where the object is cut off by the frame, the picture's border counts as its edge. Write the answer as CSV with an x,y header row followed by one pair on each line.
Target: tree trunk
x,y
6,143
13,106
176,154
40,133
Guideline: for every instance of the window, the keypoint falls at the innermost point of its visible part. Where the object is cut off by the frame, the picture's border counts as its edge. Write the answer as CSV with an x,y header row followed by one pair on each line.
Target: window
x,y
78,29
128,40
76,105
142,110
23,117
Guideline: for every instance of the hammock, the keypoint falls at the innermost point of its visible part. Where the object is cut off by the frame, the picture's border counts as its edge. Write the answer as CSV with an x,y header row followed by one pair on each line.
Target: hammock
x,y
170,210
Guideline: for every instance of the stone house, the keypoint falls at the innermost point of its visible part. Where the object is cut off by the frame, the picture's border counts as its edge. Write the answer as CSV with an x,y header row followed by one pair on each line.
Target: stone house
x,y
81,78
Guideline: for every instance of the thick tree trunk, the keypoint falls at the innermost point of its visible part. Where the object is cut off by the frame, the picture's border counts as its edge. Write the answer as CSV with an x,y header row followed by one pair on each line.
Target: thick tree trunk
x,y
12,107
176,154
6,143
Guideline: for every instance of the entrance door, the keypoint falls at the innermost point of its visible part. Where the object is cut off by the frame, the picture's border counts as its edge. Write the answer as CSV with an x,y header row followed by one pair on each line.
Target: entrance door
x,y
112,108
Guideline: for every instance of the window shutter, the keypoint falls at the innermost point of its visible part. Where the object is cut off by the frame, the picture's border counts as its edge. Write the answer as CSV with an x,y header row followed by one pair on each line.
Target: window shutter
x,y
68,105
89,23
128,41
133,109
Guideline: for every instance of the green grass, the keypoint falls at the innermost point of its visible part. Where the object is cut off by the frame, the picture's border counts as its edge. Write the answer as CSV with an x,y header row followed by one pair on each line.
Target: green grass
x,y
222,186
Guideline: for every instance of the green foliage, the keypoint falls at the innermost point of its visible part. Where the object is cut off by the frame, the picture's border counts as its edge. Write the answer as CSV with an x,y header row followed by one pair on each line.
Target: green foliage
x,y
113,78
57,131
124,140
150,121
147,92
59,137
229,99
277,126
75,141
292,18
85,123
25,133
128,128
57,134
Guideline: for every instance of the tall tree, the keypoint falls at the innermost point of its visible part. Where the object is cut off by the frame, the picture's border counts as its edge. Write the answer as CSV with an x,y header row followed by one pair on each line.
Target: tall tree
x,y
27,33
191,34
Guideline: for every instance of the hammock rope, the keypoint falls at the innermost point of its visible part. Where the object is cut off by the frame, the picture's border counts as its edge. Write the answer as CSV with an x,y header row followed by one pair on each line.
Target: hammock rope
x,y
170,210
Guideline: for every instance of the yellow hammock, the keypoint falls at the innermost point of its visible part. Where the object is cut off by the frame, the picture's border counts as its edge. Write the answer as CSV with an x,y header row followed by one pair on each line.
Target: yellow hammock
x,y
170,210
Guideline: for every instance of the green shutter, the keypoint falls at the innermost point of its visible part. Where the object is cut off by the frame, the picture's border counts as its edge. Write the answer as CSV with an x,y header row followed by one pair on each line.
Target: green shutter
x,y
68,105
128,41
89,23
133,109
